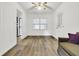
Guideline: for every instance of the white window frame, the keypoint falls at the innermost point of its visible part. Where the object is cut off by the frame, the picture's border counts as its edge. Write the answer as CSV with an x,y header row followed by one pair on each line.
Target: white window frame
x,y
40,24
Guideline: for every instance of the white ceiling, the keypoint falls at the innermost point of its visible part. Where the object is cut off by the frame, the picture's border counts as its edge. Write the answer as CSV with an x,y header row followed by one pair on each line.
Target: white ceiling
x,y
28,5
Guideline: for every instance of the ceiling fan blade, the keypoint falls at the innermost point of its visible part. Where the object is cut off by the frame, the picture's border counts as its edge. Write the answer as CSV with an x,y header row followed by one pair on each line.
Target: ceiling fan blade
x,y
48,7
33,3
45,3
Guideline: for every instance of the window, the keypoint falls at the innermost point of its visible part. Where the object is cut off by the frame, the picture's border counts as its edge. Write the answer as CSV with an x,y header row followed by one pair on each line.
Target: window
x,y
40,24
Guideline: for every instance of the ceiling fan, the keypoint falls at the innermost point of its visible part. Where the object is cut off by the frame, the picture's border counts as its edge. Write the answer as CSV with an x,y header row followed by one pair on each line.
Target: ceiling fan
x,y
40,5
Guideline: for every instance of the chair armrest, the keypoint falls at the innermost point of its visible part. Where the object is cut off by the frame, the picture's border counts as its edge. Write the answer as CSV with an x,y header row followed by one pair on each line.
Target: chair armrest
x,y
62,39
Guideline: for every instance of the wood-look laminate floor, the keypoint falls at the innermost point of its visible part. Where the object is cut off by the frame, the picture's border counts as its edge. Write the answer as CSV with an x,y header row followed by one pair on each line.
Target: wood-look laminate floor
x,y
35,46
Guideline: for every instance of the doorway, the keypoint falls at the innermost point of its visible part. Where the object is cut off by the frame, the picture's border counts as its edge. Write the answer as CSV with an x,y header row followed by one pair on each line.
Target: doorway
x,y
18,25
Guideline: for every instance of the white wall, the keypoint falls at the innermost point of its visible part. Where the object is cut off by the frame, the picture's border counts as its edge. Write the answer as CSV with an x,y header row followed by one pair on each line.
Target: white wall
x,y
48,16
8,13
7,26
70,19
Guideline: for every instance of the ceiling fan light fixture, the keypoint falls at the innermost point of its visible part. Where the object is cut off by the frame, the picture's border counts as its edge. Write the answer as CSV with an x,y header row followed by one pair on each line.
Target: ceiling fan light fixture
x,y
39,7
